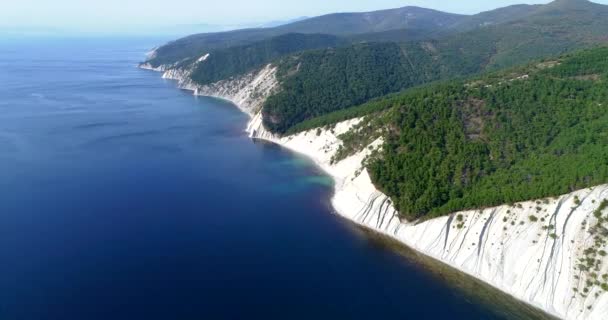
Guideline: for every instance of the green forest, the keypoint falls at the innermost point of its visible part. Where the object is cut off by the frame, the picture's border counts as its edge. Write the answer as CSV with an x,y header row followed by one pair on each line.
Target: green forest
x,y
318,82
526,133
225,63
357,59
323,81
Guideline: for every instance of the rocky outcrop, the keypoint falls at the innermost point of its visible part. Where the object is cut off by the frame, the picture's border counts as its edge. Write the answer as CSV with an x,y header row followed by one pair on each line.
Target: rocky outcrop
x,y
549,253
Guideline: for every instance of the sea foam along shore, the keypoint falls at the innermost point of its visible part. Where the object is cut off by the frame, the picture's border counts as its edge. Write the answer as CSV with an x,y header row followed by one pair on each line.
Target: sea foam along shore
x,y
530,250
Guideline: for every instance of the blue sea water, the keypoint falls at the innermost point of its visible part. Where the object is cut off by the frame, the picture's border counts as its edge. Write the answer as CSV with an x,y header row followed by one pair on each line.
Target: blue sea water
x,y
122,197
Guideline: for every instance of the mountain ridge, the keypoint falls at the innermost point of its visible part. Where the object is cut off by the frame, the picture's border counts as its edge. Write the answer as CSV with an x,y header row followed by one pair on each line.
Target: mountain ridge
x,y
433,22
340,24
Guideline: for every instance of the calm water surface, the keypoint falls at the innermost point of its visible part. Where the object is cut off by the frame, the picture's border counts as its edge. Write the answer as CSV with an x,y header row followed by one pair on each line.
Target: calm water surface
x,y
125,198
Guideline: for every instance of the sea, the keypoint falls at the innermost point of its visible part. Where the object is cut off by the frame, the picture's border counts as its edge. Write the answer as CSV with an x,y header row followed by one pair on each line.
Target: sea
x,y
124,197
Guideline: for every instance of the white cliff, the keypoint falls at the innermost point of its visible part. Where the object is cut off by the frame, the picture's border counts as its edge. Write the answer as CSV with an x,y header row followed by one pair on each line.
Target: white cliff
x,y
531,250
148,66
248,91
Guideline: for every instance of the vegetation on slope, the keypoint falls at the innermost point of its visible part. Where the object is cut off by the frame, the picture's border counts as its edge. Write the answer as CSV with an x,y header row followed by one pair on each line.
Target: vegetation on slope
x,y
229,62
513,136
495,17
552,29
319,82
376,21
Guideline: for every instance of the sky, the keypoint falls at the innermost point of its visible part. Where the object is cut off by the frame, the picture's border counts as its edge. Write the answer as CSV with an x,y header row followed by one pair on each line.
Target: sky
x,y
152,15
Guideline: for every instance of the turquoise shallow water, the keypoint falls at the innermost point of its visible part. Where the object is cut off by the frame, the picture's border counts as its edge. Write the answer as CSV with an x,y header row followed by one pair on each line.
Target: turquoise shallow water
x,y
126,198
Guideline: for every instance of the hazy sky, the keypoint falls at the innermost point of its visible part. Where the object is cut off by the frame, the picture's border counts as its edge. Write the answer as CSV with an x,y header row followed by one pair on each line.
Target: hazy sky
x,y
120,15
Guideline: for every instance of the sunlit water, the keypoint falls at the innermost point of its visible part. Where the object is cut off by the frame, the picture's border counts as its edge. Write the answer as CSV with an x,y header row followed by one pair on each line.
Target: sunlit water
x,y
123,197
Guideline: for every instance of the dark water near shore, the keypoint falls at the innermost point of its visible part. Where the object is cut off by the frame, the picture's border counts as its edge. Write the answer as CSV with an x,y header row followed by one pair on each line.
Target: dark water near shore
x,y
125,198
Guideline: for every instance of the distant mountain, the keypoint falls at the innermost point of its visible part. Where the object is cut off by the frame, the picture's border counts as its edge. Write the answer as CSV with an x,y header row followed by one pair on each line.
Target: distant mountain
x,y
517,29
376,21
225,63
342,24
277,23
545,30
495,17
463,24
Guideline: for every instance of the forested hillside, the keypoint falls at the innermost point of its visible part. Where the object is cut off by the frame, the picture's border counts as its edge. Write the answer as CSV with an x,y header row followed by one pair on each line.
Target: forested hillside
x,y
551,29
315,83
363,56
225,63
526,133
318,82
495,17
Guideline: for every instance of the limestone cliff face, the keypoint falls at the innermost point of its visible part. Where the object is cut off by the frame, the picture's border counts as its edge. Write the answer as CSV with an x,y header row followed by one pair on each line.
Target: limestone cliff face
x,y
248,91
549,253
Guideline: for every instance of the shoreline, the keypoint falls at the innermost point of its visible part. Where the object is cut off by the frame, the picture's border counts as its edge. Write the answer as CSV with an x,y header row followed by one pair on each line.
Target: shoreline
x,y
382,233
356,199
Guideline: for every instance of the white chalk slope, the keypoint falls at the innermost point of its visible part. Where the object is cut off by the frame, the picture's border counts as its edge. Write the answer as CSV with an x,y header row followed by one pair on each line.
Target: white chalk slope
x,y
534,260
248,91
